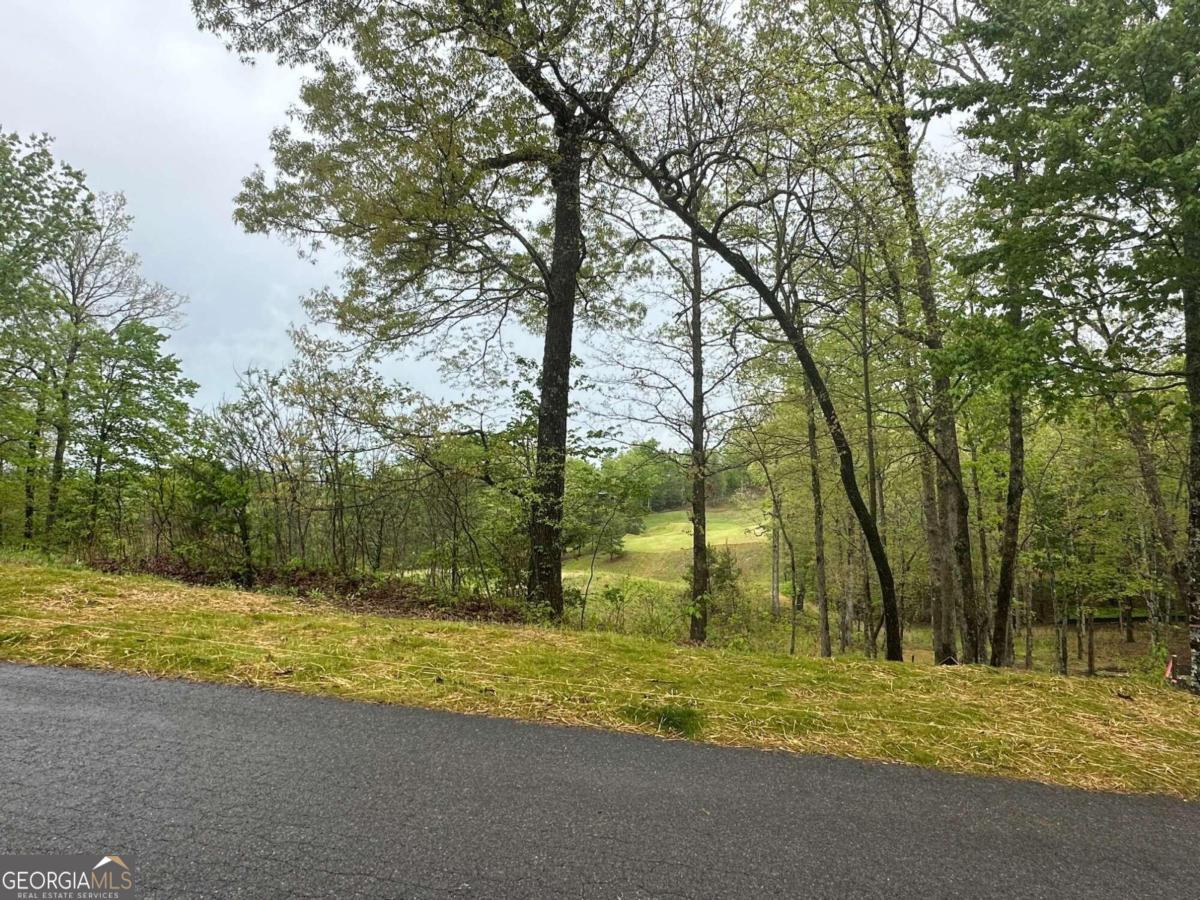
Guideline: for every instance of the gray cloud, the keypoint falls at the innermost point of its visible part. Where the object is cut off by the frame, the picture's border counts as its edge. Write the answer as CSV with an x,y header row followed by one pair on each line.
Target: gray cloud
x,y
144,103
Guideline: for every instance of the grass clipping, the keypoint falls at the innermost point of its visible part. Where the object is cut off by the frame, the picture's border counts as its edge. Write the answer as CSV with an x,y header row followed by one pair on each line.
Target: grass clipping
x,y
1128,734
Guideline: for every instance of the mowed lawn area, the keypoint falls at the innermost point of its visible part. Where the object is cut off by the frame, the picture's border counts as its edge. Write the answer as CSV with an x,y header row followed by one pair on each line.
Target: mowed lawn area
x,y
1119,733
662,551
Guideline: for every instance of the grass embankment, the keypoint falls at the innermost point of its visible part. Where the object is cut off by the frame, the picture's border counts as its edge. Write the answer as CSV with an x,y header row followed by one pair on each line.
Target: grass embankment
x,y
1121,734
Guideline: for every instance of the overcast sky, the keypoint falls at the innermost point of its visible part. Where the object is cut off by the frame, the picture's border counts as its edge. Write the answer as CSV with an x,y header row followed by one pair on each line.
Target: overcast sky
x,y
145,103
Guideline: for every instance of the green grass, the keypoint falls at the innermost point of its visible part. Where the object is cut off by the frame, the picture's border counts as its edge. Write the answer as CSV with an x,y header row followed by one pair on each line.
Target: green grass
x,y
1126,733
663,551
673,718
672,530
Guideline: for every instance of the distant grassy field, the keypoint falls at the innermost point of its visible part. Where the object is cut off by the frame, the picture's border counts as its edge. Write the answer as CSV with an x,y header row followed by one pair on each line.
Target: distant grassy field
x,y
1119,733
663,551
672,530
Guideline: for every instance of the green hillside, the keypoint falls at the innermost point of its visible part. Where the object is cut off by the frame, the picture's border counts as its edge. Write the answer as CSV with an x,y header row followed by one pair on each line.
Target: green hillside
x,y
662,552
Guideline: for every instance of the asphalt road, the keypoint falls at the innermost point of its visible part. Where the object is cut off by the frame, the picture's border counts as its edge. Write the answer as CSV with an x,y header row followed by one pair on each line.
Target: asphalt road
x,y
232,792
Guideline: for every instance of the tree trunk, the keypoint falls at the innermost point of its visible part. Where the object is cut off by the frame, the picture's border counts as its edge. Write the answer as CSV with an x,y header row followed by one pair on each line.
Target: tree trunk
x,y
985,576
814,459
1164,524
1028,626
868,615
933,518
1079,626
698,626
874,487
94,504
1150,597
846,617
952,495
1060,628
34,449
797,591
546,507
1010,536
793,573
1091,643
1191,350
243,523
1014,495
775,607
62,429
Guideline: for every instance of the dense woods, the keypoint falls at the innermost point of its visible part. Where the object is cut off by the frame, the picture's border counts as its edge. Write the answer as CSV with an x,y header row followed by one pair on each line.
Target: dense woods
x,y
919,283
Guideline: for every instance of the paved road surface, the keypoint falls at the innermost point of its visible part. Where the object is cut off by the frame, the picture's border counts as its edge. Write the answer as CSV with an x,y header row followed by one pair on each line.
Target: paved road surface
x,y
231,792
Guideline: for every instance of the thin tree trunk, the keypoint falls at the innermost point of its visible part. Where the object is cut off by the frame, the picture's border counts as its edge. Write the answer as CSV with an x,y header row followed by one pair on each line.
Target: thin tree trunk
x,y
874,487
797,592
1010,535
1091,643
34,451
1191,320
980,525
932,515
62,428
952,495
1014,495
883,569
868,624
775,607
1164,523
846,607
1028,626
1153,614
94,504
1010,652
32,448
814,459
1079,626
1060,626
794,575
698,626
797,604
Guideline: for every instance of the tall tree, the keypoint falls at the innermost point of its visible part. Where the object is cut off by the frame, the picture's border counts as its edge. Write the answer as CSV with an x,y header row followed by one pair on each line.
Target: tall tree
x,y
1017,258
41,202
132,411
424,144
94,283
769,191
1117,141
883,51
